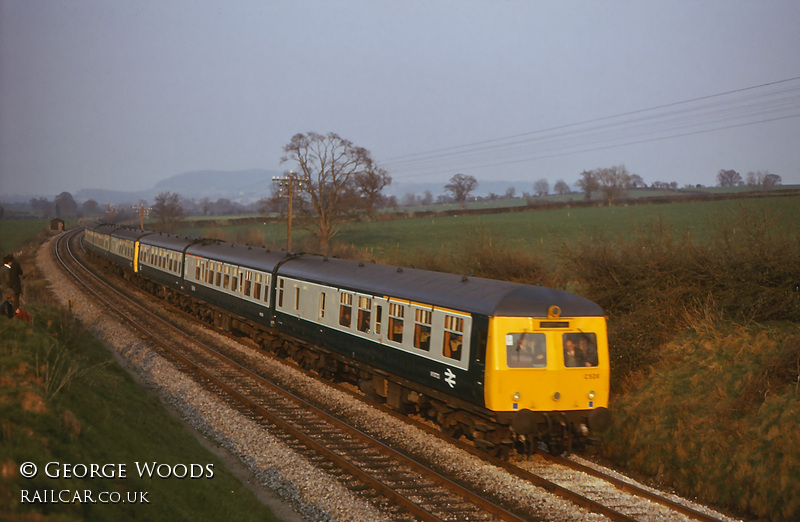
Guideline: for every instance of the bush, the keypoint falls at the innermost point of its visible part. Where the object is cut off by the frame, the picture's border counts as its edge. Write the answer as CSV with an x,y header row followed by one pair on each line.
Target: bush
x,y
657,284
481,254
717,418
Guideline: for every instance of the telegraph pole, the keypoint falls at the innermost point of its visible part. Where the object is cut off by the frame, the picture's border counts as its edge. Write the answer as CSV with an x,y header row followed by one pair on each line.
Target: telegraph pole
x,y
142,211
286,185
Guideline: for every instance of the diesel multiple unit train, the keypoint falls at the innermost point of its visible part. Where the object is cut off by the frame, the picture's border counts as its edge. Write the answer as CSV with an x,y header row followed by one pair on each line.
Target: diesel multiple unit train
x,y
501,363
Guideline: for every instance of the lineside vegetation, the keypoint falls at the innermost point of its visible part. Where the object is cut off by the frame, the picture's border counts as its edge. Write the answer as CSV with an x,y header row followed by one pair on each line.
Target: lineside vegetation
x,y
65,400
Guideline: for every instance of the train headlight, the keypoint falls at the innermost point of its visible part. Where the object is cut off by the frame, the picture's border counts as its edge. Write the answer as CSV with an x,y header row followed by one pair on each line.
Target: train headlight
x,y
556,396
591,395
516,396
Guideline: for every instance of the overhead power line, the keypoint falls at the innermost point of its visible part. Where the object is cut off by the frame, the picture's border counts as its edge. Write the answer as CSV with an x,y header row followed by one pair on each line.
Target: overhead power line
x,y
758,104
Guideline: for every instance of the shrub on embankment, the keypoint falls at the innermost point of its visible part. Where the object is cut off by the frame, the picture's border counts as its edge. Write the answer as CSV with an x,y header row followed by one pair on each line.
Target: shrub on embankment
x,y
705,351
657,283
717,418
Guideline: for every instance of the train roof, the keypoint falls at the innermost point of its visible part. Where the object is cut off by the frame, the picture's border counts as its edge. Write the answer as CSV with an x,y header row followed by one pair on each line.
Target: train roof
x,y
169,241
241,255
103,228
131,233
473,294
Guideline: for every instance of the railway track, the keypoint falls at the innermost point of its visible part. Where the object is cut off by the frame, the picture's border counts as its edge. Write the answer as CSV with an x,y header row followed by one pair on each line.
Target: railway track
x,y
627,507
400,485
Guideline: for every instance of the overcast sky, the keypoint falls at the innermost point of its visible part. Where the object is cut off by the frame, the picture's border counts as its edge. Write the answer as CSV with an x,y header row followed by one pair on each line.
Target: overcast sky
x,y
122,94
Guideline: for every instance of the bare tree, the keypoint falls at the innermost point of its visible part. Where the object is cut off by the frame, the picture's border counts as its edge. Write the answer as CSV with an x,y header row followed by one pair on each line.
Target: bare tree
x,y
410,199
91,208
771,180
168,209
541,187
205,206
614,182
65,205
588,183
460,186
729,178
330,165
763,179
370,187
637,181
561,187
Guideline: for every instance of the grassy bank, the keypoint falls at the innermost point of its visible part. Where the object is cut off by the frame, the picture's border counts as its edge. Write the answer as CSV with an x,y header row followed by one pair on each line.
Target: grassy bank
x,y
15,234
705,350
716,417
63,399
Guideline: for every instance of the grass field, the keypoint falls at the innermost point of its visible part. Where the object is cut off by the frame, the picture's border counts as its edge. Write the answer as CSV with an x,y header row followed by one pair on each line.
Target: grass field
x,y
15,234
543,232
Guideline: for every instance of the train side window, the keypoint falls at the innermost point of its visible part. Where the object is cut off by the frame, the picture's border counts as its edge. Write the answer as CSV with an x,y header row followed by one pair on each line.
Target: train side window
x,y
422,329
580,349
452,345
378,319
247,287
526,350
235,281
257,287
453,337
281,283
345,309
364,314
218,279
396,313
296,298
322,305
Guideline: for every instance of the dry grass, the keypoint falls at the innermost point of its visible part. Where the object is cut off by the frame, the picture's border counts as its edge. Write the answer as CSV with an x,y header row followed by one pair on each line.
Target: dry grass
x,y
717,417
657,283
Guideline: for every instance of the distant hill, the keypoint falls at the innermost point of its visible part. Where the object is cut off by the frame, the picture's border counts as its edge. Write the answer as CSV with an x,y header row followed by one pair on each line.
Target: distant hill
x,y
247,186
242,186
